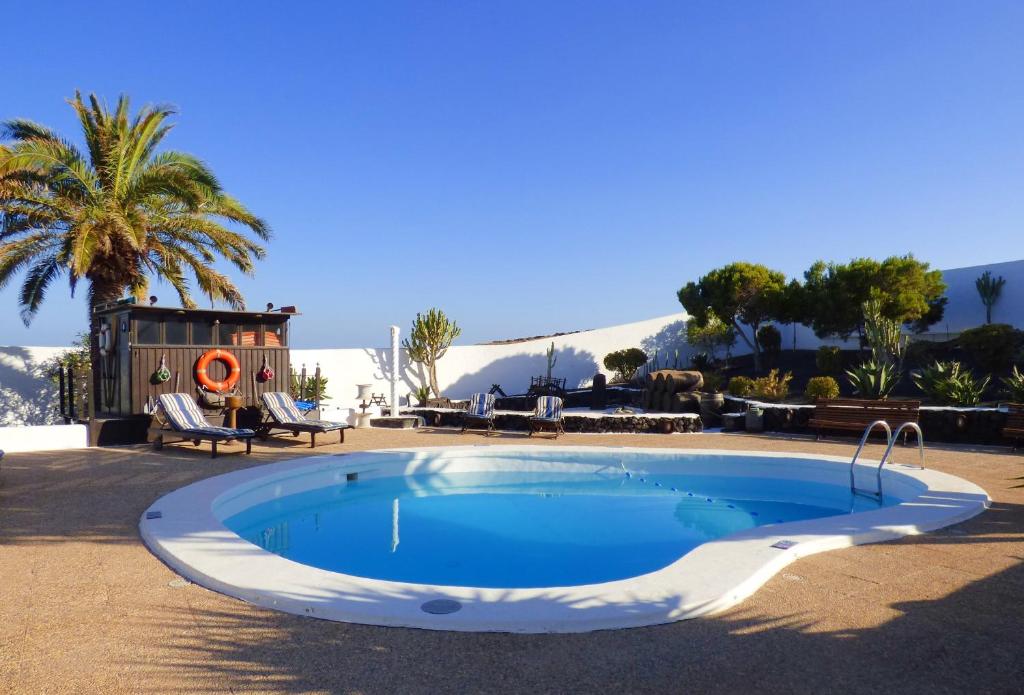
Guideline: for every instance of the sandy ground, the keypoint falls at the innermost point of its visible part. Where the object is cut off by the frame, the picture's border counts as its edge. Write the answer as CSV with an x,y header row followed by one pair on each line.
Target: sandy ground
x,y
84,607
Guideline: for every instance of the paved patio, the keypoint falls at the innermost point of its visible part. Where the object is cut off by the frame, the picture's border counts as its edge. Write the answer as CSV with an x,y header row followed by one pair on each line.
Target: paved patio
x,y
84,607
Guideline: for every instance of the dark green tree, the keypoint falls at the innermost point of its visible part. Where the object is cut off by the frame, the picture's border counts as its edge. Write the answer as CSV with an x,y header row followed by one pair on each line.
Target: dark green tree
x,y
907,289
741,294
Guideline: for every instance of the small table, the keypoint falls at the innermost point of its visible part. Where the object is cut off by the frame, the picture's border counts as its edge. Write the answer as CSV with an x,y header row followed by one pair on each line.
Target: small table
x,y
232,404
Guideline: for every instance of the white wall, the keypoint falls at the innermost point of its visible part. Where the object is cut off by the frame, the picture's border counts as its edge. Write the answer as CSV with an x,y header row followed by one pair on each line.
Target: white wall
x,y
27,397
43,438
467,369
965,309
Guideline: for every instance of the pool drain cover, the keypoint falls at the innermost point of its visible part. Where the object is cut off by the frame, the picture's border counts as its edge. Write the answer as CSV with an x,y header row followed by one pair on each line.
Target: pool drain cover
x,y
441,606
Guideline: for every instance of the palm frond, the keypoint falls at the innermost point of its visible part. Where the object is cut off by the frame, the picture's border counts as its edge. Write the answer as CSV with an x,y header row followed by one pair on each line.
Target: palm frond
x,y
33,290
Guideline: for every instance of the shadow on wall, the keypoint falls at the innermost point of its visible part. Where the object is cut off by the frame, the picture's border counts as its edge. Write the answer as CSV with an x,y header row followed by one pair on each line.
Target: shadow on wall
x,y
513,372
413,373
666,342
27,396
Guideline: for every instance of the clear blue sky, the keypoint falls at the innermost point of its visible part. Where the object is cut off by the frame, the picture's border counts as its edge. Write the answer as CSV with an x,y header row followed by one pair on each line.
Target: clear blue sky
x,y
535,167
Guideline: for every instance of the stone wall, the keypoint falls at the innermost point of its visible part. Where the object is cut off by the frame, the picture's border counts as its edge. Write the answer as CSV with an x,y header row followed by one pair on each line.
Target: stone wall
x,y
519,421
952,425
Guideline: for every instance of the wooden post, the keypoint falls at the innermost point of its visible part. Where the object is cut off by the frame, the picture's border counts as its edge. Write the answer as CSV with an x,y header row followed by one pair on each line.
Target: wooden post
x,y
90,402
316,386
302,384
71,394
63,395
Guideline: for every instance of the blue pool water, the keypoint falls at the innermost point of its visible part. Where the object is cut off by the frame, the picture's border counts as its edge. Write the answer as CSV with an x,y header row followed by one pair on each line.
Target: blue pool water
x,y
518,529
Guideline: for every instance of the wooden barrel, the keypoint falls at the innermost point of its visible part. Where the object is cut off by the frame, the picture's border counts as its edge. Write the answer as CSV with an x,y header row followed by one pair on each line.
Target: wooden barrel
x,y
685,403
711,405
678,382
666,402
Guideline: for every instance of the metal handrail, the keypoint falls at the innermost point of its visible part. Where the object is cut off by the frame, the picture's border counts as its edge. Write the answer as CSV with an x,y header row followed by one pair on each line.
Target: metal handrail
x,y
860,447
920,445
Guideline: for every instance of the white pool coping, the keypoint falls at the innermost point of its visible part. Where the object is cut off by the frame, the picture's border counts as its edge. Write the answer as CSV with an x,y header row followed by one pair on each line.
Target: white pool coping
x,y
190,538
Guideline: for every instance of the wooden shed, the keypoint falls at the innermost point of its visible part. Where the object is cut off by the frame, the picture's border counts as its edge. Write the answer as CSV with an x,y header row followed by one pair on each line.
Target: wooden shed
x,y
136,341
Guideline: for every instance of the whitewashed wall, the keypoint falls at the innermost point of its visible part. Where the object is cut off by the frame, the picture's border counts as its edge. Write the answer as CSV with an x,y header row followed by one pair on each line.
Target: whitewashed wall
x,y
965,309
467,369
28,398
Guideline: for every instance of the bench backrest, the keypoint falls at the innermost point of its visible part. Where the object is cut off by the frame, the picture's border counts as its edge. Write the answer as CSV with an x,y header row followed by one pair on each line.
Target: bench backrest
x,y
860,409
1015,416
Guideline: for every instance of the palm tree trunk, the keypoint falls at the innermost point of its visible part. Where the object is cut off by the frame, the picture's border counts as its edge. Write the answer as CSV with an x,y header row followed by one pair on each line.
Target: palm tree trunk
x,y
99,293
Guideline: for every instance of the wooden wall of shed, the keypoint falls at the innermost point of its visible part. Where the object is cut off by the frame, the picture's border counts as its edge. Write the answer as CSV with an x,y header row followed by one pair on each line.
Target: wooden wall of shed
x,y
182,360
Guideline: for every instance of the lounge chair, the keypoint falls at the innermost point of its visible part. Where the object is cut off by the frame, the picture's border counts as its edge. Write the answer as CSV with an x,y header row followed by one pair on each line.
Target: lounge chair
x,y
184,421
547,416
283,413
479,413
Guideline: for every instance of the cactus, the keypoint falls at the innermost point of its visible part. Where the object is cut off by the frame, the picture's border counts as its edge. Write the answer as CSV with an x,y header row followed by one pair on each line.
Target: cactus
x,y
989,288
431,336
552,360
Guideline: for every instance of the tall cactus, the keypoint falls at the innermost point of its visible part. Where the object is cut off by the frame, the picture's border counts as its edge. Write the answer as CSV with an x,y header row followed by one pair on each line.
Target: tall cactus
x,y
429,340
551,359
989,288
884,335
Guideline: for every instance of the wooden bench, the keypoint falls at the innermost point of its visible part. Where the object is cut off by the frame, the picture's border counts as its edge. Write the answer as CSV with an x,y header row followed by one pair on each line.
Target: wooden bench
x,y
1013,429
855,414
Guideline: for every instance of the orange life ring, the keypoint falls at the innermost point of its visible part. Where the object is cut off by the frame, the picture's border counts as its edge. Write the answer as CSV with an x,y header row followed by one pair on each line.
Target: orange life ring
x,y
234,370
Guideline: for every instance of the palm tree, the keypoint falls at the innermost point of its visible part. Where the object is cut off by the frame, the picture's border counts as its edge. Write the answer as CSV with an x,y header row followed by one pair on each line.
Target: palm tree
x,y
117,214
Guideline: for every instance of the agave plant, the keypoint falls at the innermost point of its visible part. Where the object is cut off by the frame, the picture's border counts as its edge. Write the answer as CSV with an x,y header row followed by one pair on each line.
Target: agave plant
x,y
932,380
948,383
873,378
965,389
1015,385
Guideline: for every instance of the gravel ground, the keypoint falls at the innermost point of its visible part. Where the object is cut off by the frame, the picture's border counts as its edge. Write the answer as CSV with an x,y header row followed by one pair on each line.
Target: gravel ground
x,y
84,607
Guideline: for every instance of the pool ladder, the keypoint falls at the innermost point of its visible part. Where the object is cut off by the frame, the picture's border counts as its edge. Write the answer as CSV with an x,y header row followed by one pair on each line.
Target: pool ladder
x,y
891,441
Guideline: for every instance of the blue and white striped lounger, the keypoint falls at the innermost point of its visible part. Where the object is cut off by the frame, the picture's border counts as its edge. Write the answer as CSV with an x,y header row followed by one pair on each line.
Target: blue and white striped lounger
x,y
285,415
480,411
547,415
189,423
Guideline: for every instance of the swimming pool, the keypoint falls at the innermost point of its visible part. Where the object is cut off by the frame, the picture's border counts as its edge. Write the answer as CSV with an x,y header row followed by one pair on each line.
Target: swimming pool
x,y
532,538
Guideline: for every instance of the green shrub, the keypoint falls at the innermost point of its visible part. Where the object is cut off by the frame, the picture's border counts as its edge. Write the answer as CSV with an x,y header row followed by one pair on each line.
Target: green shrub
x,y
822,387
772,387
1015,385
770,340
829,359
992,347
931,379
312,389
949,384
713,382
741,386
873,379
965,389
702,362
625,363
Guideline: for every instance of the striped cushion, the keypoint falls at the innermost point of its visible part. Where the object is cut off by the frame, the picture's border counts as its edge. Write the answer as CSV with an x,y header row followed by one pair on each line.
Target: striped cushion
x,y
282,407
481,405
325,425
213,431
185,416
548,408
182,412
284,411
